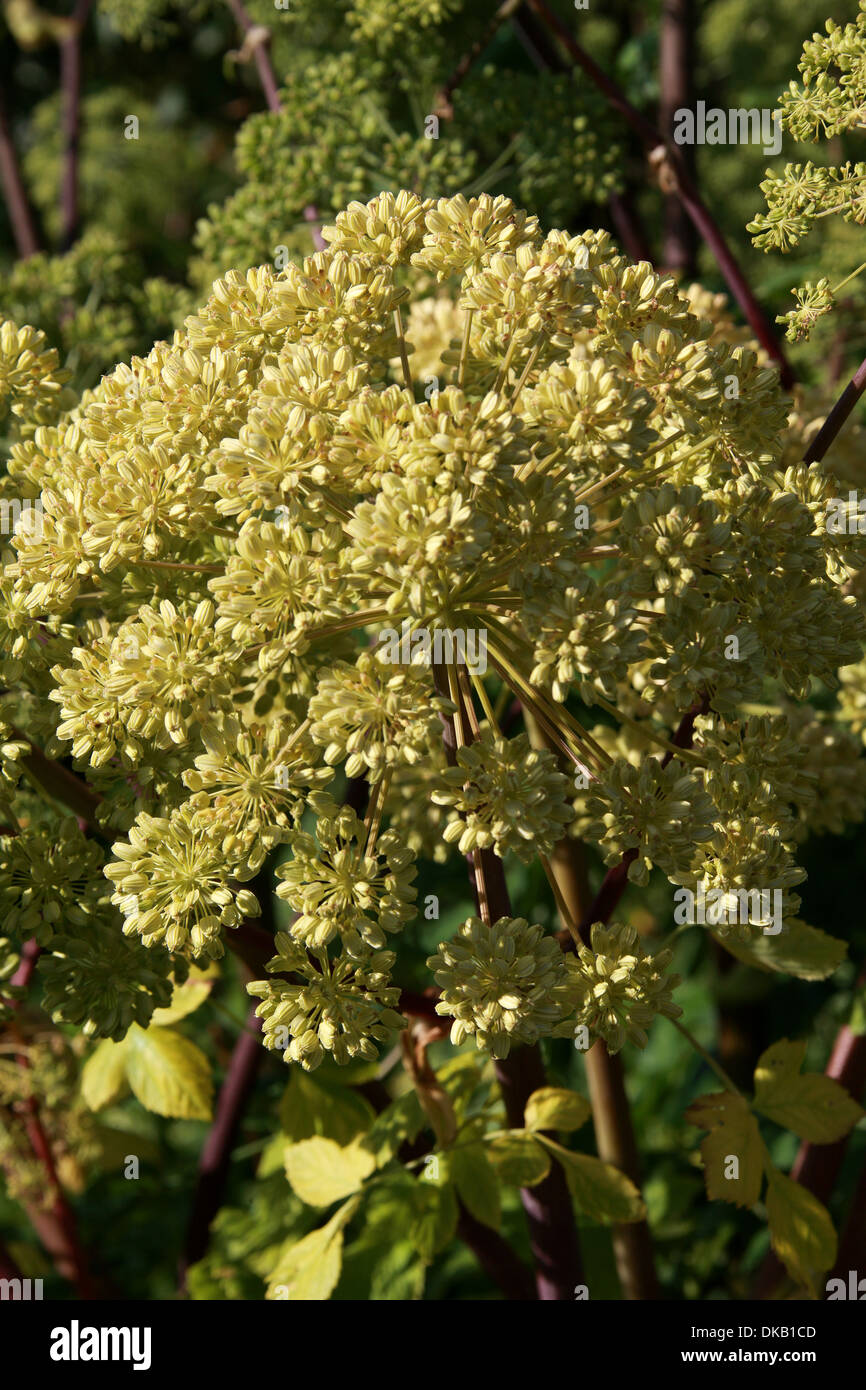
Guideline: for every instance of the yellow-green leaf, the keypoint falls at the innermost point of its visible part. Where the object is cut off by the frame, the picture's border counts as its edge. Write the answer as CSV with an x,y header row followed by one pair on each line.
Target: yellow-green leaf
x,y
553,1107
168,1074
733,1135
186,998
308,1109
518,1158
321,1172
103,1077
477,1183
308,1270
815,1107
798,949
801,1231
599,1190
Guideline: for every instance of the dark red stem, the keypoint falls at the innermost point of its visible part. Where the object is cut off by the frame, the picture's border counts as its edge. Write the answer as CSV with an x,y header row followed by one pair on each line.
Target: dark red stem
x,y
443,100
655,145
14,192
70,86
676,67
262,57
837,417
496,1257
213,1166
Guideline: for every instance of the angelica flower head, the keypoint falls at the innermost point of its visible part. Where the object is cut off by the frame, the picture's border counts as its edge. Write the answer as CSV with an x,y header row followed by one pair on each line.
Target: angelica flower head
x,y
616,988
500,983
237,523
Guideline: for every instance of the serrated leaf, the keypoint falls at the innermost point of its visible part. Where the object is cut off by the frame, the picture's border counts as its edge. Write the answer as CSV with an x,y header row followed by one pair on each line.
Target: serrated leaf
x,y
815,1107
308,1270
168,1074
518,1158
477,1183
798,949
733,1134
599,1190
801,1231
308,1109
103,1076
553,1107
321,1172
186,998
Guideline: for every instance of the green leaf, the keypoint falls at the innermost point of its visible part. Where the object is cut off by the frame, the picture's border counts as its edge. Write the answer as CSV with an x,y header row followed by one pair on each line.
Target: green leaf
x,y
433,1216
599,1190
733,1134
801,1231
552,1107
168,1074
857,1021
103,1077
186,998
272,1158
403,1119
477,1183
308,1109
518,1158
308,1270
798,949
380,1264
461,1077
815,1107
398,1275
321,1172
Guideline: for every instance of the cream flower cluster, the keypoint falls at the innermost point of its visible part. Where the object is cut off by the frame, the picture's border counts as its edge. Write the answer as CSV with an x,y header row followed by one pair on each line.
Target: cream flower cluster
x,y
236,525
